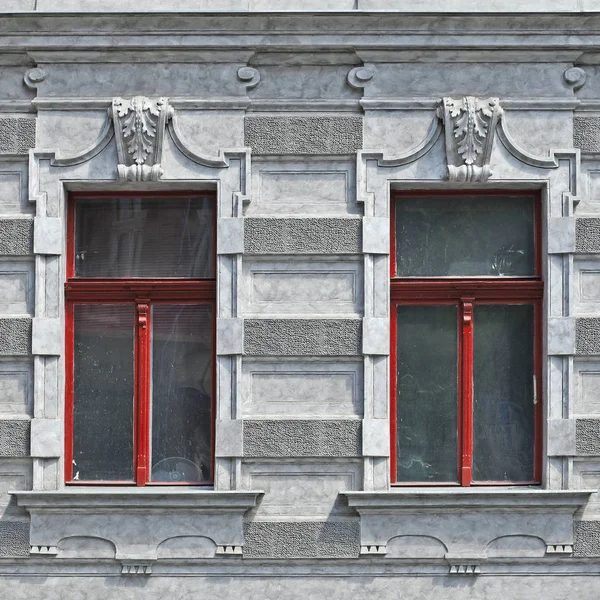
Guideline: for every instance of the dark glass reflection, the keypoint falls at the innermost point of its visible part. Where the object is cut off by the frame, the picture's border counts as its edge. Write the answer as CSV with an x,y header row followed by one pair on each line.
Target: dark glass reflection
x,y
181,392
103,392
144,237
427,381
503,409
466,236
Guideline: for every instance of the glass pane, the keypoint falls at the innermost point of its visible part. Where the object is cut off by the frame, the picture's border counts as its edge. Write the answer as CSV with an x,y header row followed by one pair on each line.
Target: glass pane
x,y
427,386
467,236
503,410
181,392
103,392
144,237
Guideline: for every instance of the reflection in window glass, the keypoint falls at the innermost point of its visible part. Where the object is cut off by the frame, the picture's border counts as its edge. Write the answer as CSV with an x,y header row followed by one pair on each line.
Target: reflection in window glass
x,y
427,364
144,237
464,236
103,392
181,392
503,408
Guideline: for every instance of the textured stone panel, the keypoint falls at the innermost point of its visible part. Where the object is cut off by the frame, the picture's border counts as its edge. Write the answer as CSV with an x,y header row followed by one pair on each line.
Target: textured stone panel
x,y
587,336
302,337
14,539
303,135
14,438
587,538
587,436
331,539
302,438
16,236
587,235
586,133
302,236
15,337
17,135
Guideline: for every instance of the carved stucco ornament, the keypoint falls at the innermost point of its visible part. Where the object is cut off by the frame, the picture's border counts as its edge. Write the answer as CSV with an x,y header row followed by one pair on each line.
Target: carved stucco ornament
x,y
470,125
139,125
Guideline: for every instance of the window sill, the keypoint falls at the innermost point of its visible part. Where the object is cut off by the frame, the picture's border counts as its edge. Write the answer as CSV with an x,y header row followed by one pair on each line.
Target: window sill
x,y
137,525
467,526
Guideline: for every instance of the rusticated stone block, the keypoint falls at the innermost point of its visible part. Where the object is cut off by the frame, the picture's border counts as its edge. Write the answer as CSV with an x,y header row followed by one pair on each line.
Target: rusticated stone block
x,y
587,437
587,538
15,337
16,237
14,539
587,335
304,135
587,235
14,438
331,539
302,337
302,236
297,438
17,135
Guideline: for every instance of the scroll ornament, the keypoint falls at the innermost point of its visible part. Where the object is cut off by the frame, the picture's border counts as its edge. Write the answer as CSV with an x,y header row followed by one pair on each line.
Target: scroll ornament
x,y
139,126
469,125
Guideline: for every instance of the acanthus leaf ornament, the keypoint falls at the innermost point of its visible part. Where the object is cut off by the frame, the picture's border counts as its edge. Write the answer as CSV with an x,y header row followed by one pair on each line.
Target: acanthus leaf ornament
x,y
139,125
469,125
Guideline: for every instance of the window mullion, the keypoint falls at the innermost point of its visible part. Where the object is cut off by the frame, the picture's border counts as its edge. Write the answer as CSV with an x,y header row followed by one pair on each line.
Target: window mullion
x,y
142,391
466,391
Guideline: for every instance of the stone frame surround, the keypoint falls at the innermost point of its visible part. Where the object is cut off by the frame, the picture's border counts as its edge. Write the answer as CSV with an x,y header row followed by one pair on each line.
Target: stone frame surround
x,y
246,526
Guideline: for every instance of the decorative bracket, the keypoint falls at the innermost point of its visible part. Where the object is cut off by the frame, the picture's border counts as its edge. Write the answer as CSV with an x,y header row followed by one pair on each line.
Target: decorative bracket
x,y
470,124
359,77
136,568
139,126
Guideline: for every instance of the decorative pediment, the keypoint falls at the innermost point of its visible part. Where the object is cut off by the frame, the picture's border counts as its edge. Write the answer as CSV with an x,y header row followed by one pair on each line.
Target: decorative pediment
x,y
470,124
139,125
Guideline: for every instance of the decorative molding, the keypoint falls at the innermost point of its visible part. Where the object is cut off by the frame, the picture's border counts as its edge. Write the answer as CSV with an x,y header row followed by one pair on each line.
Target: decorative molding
x,y
250,76
462,569
302,438
304,135
139,125
563,549
136,569
575,77
380,550
43,550
33,77
229,550
469,125
359,77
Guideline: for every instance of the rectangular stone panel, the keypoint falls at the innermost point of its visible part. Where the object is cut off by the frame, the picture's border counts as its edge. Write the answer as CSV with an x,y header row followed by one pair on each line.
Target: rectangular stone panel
x,y
16,387
587,436
303,135
17,135
302,337
587,235
586,285
586,476
302,539
10,192
293,287
587,335
16,237
302,437
14,539
586,388
302,236
14,475
306,488
16,288
296,388
14,438
587,538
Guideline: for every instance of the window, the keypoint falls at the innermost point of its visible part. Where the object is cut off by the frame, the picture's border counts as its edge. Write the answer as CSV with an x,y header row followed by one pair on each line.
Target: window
x,y
466,302
140,329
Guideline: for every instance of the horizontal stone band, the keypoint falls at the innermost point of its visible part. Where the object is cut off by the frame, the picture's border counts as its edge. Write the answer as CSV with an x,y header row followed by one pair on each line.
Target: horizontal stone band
x,y
302,236
302,337
298,438
303,135
331,539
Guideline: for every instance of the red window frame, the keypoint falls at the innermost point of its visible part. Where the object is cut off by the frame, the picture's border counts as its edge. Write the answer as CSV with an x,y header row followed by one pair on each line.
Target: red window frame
x,y
143,292
466,292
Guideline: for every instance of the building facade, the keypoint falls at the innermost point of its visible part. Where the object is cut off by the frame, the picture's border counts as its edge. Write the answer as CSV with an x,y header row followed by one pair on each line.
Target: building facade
x,y
299,304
